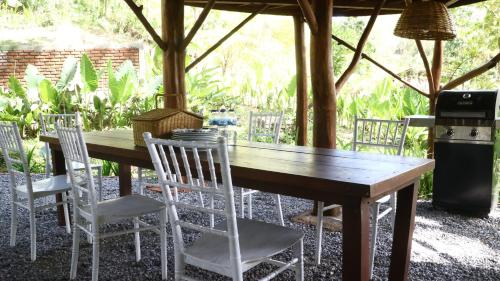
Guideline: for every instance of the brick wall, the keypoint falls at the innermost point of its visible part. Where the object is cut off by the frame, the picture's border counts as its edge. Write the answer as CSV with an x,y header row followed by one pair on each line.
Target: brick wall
x,y
49,62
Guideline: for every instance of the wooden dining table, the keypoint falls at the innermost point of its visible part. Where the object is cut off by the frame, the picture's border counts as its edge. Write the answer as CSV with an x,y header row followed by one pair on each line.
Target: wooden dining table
x,y
352,179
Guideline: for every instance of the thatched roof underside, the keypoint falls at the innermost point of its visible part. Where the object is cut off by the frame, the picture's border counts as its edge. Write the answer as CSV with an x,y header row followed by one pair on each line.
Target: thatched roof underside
x,y
341,8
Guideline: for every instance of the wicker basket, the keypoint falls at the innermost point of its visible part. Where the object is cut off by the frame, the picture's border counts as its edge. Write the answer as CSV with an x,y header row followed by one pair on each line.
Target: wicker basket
x,y
425,20
160,122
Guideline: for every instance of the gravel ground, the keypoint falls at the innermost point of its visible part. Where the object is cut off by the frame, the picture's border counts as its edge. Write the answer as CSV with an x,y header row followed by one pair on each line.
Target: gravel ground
x,y
445,247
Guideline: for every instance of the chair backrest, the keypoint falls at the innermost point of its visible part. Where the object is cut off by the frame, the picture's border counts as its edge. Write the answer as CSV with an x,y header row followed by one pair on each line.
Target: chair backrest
x,y
175,160
75,150
48,127
264,124
15,156
381,133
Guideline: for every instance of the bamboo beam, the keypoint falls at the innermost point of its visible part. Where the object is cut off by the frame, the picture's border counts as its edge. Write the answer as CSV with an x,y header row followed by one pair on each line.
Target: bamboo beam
x,y
322,80
308,13
138,13
376,63
301,77
473,73
359,48
428,71
199,22
437,64
223,39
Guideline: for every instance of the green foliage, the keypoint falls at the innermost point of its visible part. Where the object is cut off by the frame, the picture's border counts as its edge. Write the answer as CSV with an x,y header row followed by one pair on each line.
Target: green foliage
x,y
88,74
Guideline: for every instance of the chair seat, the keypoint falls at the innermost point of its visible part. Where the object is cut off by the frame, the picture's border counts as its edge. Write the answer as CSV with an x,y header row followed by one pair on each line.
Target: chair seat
x,y
48,186
80,166
258,240
125,207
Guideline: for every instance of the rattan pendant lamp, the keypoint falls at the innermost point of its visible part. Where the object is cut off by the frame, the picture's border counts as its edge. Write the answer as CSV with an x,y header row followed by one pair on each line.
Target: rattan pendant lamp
x,y
425,20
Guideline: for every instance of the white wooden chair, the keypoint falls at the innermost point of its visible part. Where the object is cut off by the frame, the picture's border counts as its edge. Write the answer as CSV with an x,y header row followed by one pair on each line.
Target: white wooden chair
x,y
26,195
374,133
233,245
262,127
87,210
47,123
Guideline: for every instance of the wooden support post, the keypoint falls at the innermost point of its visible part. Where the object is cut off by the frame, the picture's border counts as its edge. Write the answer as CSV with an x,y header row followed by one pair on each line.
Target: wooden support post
x,y
306,8
359,48
198,22
174,57
473,73
376,63
437,62
138,12
223,39
301,77
322,81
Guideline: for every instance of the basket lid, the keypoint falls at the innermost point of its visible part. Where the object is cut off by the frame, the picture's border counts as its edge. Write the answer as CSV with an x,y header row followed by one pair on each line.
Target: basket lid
x,y
160,113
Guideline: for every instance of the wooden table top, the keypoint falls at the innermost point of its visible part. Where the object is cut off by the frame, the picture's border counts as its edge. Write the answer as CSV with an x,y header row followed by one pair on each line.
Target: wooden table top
x,y
299,171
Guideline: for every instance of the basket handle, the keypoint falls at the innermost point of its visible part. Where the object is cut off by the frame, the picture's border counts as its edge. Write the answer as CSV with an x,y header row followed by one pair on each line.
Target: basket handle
x,y
162,96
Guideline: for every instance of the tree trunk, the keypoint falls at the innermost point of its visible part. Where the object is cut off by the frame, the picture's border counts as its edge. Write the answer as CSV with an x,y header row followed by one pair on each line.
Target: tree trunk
x,y
437,62
301,69
323,86
174,57
322,81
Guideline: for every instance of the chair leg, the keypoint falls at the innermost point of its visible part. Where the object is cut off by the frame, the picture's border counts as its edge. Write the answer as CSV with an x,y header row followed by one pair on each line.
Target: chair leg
x,y
75,252
66,212
99,181
33,234
242,203
298,250
374,229
137,237
200,196
163,244
319,232
277,200
212,216
95,256
250,210
89,237
13,224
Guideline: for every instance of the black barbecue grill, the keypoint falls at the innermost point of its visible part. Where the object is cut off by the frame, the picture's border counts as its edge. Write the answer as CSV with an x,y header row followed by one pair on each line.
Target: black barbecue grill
x,y
466,176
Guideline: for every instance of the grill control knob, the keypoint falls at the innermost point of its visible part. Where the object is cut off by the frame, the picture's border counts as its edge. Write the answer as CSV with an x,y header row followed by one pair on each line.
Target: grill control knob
x,y
474,133
450,132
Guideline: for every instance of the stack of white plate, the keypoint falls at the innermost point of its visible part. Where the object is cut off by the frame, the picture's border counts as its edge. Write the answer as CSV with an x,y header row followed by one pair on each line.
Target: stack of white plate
x,y
195,135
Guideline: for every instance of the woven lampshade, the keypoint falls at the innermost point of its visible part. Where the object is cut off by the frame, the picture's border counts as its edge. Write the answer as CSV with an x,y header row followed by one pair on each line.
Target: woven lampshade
x,y
427,20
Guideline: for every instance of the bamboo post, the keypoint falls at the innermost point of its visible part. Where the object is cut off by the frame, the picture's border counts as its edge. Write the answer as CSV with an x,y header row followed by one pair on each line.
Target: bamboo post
x,y
172,12
322,81
301,70
437,62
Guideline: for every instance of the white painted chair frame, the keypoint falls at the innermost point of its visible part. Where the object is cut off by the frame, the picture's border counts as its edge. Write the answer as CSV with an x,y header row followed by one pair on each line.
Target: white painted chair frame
x,y
88,210
265,124
387,134
165,154
25,195
47,124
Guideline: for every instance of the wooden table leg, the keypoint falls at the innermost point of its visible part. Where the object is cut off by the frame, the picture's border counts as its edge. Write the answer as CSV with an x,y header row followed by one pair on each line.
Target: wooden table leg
x,y
403,232
58,168
125,179
355,240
